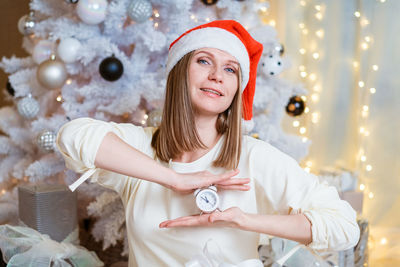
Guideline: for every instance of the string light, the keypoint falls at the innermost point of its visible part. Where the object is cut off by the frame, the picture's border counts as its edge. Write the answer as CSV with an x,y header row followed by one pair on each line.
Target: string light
x,y
306,110
303,3
303,130
371,195
315,55
368,168
362,187
320,34
363,158
361,84
302,51
372,90
315,117
313,76
69,81
59,98
315,97
303,74
364,46
383,241
296,123
272,23
304,139
301,25
318,15
357,14
302,68
375,67
356,64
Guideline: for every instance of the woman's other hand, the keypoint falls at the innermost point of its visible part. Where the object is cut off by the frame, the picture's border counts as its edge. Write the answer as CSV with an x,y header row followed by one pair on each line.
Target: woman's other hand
x,y
187,182
232,217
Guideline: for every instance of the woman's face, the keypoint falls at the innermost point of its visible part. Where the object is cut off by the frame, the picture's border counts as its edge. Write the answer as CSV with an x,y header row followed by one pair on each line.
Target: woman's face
x,y
213,81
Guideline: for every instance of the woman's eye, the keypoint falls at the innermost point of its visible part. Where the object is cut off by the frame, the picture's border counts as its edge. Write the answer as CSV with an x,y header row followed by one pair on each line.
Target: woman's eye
x,y
230,70
202,61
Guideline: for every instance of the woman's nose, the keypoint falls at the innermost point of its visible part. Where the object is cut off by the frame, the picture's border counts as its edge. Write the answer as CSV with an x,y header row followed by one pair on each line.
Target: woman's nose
x,y
215,74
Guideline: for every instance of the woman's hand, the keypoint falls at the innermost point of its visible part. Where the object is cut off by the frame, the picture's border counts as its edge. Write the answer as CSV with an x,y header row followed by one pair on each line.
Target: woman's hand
x,y
187,182
232,217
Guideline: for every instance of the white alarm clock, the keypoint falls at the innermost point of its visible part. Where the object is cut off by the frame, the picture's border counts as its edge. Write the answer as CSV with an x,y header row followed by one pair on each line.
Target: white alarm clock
x,y
207,199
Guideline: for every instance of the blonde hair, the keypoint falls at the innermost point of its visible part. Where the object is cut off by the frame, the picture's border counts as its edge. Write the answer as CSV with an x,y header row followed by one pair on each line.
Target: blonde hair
x,y
177,132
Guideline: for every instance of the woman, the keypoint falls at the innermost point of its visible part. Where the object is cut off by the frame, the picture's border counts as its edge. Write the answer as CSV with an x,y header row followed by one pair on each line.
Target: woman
x,y
211,69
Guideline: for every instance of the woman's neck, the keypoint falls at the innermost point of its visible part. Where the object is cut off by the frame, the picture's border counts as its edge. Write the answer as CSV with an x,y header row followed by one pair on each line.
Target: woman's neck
x,y
208,135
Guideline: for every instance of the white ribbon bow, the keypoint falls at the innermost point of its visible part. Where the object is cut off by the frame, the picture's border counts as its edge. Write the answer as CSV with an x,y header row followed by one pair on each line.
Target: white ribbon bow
x,y
23,246
212,257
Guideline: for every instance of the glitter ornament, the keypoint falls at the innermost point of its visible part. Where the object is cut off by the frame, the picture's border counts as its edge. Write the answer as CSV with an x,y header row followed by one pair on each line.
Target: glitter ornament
x,y
46,140
27,23
140,10
42,51
92,11
51,73
28,107
154,119
296,106
111,69
68,50
209,2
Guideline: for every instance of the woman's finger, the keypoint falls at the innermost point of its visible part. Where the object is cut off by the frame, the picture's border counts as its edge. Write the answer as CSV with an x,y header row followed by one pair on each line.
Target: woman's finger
x,y
235,181
234,187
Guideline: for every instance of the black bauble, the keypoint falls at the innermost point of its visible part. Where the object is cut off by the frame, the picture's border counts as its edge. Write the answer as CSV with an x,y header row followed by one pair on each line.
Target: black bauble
x,y
296,106
209,2
111,69
10,89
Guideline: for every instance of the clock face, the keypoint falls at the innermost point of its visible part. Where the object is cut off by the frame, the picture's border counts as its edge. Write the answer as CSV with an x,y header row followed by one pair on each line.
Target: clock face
x,y
207,200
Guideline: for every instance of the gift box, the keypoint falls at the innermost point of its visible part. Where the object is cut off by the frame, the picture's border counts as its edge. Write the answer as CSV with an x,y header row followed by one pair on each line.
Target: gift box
x,y
49,209
354,198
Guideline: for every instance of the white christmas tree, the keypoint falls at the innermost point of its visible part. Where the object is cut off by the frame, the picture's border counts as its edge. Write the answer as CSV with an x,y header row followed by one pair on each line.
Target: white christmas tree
x,y
106,60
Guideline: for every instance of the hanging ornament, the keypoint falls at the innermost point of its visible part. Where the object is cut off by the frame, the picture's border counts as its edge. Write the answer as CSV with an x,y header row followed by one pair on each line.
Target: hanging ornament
x,y
154,119
296,106
28,107
71,1
51,73
280,49
92,11
27,23
46,140
209,2
111,68
42,51
68,50
10,89
140,10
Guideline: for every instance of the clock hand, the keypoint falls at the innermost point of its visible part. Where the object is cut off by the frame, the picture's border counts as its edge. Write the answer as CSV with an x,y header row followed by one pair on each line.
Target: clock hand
x,y
205,199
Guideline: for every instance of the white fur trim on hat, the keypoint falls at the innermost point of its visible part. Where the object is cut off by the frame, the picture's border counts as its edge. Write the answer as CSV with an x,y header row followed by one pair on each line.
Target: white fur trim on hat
x,y
212,37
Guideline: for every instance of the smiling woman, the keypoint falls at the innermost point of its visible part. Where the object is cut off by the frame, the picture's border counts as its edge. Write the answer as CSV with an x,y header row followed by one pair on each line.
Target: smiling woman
x,y
199,145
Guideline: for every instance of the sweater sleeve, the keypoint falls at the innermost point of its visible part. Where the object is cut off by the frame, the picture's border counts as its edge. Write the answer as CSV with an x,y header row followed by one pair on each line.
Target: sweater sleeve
x,y
79,140
287,187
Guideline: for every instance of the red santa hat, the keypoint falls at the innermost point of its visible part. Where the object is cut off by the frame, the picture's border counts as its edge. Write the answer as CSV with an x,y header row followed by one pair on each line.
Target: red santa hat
x,y
231,37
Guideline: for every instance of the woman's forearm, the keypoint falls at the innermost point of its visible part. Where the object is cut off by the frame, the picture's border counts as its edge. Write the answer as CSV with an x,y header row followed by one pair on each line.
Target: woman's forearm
x,y
117,156
295,227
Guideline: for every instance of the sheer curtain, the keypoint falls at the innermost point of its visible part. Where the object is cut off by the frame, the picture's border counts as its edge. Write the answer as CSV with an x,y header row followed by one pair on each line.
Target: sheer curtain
x,y
350,63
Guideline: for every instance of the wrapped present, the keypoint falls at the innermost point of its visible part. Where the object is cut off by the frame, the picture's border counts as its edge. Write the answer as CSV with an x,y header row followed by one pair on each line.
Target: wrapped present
x,y
354,198
24,246
361,249
343,180
49,209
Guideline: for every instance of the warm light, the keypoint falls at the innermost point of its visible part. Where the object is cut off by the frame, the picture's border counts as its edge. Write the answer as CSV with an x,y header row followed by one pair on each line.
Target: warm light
x,y
364,114
375,67
306,110
302,51
304,139
207,19
365,108
356,64
296,124
192,17
363,158
362,129
303,3
315,97
364,46
69,81
318,7
307,169
361,84
366,133
362,187
367,39
263,9
3,191
59,98
156,14
309,163
383,241
313,76
301,25
315,55
318,15
302,68
320,33
315,117
156,25
305,31
357,14
368,167
364,22
317,88
272,23
304,98
372,90
143,121
371,195
303,130
383,1
303,74
146,116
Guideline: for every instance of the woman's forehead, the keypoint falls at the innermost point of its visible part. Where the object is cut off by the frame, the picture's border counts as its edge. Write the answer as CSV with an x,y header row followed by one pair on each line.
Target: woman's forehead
x,y
215,52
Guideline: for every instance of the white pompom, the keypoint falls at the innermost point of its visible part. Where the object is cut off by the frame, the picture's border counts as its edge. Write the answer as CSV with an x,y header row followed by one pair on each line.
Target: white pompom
x,y
247,126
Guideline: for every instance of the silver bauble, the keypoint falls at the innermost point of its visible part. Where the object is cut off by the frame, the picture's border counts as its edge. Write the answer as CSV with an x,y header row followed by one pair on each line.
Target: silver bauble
x,y
51,74
26,24
154,118
46,140
140,10
28,107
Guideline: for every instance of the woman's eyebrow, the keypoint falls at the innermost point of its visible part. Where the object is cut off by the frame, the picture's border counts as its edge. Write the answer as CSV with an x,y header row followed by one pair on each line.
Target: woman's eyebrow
x,y
211,55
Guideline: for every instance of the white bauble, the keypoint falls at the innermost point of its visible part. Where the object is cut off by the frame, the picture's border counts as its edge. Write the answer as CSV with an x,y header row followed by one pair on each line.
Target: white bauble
x,y
51,74
92,11
28,107
68,50
42,51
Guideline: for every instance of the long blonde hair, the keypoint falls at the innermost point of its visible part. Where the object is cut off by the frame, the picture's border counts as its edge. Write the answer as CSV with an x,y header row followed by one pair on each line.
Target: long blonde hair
x,y
177,132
